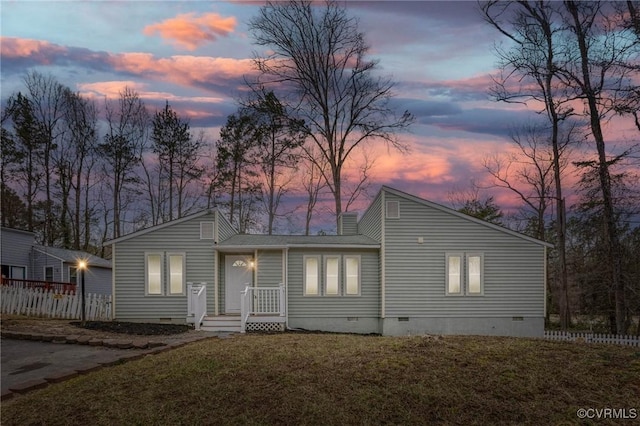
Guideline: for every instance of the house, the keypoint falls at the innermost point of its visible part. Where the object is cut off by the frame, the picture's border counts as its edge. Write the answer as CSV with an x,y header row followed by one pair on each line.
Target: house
x,y
407,266
23,259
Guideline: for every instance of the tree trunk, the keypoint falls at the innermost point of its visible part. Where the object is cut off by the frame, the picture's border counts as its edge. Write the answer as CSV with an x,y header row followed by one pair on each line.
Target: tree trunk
x,y
610,228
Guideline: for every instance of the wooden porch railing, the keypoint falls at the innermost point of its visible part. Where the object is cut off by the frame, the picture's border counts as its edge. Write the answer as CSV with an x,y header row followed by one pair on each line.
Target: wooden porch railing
x,y
261,301
58,287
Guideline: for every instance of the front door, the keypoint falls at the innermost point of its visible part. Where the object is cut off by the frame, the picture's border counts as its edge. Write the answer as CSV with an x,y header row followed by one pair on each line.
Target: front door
x,y
238,274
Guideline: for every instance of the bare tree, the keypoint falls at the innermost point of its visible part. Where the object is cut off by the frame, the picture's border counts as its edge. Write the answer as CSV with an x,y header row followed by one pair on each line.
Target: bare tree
x,y
47,98
81,116
318,60
279,139
236,167
532,65
598,76
313,181
127,128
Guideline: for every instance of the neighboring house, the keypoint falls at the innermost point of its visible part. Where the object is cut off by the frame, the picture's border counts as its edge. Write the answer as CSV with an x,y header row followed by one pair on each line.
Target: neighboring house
x,y
22,259
408,266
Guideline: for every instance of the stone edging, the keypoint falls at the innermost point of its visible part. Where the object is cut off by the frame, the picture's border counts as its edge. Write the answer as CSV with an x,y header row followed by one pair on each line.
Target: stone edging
x,y
145,347
83,340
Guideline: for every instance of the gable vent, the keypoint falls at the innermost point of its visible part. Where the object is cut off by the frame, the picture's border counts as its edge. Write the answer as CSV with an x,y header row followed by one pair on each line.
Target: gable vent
x,y
393,210
206,231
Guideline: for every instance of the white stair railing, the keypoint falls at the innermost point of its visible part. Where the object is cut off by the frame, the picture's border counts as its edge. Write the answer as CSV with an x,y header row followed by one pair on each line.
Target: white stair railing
x,y
196,303
245,307
261,301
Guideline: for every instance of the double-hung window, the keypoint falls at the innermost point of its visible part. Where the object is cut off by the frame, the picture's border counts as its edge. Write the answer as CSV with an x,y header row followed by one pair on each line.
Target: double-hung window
x,y
352,275
464,274
332,276
311,275
165,274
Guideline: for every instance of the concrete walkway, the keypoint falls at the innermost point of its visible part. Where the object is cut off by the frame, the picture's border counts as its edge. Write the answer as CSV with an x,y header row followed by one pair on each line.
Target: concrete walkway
x,y
33,361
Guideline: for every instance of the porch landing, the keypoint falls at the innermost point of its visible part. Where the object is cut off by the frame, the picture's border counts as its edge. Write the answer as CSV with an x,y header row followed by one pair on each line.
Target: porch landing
x,y
232,323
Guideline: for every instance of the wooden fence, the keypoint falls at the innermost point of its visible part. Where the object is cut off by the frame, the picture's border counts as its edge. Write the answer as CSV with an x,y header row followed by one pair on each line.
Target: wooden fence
x,y
53,304
615,339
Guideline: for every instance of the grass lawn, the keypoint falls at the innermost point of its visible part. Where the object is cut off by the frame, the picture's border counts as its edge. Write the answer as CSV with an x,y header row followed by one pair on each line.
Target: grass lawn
x,y
336,379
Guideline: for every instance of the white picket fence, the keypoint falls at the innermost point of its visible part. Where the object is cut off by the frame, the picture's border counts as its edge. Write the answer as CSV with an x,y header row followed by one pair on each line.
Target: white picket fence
x,y
51,304
615,339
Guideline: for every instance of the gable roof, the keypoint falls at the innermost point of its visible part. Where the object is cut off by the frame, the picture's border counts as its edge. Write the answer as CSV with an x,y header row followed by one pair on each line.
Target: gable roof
x,y
253,241
162,225
73,256
453,212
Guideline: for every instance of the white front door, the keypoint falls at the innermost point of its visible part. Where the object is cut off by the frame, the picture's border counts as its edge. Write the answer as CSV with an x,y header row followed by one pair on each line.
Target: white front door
x,y
238,274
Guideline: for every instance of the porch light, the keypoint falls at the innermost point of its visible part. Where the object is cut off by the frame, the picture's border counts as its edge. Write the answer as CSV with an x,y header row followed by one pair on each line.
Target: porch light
x,y
252,264
82,267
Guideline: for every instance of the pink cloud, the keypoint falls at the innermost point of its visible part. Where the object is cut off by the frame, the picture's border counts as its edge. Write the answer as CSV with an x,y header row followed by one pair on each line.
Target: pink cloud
x,y
189,30
184,70
39,50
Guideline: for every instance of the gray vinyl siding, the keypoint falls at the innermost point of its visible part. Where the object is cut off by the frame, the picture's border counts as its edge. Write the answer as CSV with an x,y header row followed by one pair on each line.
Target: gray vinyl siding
x,y
225,229
42,260
15,249
129,268
366,305
98,280
221,286
269,272
371,222
415,272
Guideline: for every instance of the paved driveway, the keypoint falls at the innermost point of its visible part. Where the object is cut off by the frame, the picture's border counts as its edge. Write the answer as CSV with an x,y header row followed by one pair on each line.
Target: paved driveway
x,y
24,360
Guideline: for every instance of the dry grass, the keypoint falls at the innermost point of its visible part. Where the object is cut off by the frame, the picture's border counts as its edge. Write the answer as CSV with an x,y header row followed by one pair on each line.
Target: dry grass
x,y
345,379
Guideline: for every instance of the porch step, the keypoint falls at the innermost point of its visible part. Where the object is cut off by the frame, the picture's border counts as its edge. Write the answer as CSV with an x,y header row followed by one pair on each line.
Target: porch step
x,y
230,323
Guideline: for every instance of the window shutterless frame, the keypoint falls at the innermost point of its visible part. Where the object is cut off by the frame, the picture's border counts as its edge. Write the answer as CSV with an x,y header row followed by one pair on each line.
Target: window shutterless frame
x,y
352,273
153,274
454,277
176,280
474,274
332,275
311,274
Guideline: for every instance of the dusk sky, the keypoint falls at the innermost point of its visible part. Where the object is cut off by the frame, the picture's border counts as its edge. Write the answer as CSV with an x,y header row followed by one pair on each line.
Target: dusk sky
x,y
195,53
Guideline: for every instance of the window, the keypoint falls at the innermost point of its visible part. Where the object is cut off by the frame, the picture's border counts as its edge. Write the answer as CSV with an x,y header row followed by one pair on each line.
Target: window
x,y
464,274
48,273
73,275
393,210
156,283
176,274
454,274
474,274
154,273
352,275
311,276
332,272
207,230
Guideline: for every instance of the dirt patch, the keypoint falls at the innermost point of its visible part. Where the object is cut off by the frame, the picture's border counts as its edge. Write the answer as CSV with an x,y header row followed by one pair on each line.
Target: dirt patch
x,y
140,329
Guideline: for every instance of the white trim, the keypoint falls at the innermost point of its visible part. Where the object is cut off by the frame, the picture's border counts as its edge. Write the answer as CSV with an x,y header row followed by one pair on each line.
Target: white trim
x,y
383,263
216,282
236,248
113,282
